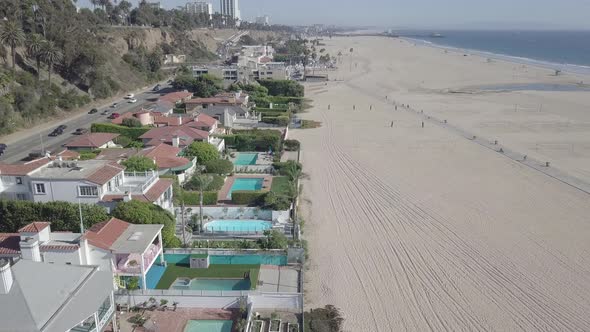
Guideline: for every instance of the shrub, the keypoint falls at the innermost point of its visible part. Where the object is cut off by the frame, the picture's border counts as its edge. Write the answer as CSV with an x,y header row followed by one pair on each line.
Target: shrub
x,y
132,123
248,197
325,319
192,198
219,166
276,202
139,164
282,167
292,145
283,88
217,182
203,151
132,133
87,155
282,121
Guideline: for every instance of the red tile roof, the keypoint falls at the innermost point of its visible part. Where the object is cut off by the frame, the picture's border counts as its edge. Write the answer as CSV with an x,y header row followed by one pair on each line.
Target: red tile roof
x,y
92,140
105,173
69,154
23,169
51,247
166,156
9,243
104,234
171,120
186,133
152,195
206,119
34,227
175,97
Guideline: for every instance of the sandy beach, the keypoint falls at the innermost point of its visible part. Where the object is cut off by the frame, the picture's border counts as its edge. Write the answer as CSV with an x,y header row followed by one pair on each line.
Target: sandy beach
x,y
415,228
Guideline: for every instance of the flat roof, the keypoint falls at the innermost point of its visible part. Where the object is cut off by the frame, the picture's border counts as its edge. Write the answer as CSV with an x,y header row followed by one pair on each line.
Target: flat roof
x,y
82,170
136,238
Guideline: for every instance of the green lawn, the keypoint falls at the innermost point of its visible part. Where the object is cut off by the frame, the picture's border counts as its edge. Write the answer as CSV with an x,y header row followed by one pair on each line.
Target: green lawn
x,y
280,185
214,271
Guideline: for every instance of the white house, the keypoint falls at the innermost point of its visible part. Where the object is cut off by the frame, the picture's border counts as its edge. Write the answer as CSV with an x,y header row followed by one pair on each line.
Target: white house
x,y
55,298
118,247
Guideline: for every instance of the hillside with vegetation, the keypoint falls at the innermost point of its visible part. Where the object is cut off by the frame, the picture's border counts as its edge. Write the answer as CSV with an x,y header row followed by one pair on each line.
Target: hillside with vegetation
x,y
55,58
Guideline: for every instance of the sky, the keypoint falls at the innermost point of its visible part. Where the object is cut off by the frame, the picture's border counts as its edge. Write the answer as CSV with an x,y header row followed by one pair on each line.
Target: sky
x,y
415,14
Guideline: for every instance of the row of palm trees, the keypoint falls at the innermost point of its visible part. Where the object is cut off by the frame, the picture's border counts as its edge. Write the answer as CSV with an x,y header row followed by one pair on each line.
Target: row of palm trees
x,y
38,48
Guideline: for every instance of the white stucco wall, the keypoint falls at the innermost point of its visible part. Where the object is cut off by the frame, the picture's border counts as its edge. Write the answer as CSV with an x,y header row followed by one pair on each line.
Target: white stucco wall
x,y
62,190
62,257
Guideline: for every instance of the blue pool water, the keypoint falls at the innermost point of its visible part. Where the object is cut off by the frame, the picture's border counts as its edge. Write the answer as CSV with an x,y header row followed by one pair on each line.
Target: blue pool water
x,y
245,184
246,226
208,326
154,275
280,260
212,284
244,159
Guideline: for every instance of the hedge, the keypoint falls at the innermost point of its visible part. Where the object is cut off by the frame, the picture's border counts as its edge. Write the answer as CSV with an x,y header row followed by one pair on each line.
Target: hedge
x,y
254,140
273,110
132,133
248,197
279,167
278,120
292,145
192,198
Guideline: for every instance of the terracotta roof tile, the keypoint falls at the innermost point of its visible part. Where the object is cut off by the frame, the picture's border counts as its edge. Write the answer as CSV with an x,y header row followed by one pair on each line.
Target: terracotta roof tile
x,y
105,173
92,140
23,169
69,154
186,133
9,243
175,97
104,234
158,189
34,227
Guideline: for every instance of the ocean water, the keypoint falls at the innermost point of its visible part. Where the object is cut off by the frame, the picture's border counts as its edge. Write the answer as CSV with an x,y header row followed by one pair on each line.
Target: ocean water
x,y
564,50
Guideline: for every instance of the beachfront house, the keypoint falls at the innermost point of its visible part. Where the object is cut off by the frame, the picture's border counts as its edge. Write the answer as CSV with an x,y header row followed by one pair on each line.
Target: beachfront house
x,y
169,161
92,141
55,298
118,247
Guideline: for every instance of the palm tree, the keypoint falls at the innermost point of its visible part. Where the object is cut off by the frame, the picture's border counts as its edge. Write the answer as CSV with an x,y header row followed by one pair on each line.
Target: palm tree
x,y
201,182
12,35
34,47
51,54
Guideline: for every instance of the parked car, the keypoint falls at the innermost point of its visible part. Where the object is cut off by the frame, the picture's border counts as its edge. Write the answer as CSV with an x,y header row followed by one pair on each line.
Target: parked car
x,y
81,131
92,111
129,96
114,105
132,101
114,116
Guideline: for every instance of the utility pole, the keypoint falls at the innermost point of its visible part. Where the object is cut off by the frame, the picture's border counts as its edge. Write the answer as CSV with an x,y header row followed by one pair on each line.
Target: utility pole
x,y
81,220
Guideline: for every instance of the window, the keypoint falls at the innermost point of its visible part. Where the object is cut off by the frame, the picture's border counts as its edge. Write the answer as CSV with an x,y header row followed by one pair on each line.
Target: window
x,y
21,197
19,180
88,191
110,186
40,188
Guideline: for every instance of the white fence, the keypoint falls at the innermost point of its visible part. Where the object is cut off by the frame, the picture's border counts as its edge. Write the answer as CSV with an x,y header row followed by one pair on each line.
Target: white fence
x,y
255,169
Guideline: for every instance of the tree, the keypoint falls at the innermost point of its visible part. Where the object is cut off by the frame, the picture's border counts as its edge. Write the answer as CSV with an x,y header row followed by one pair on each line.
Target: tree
x,y
201,182
34,47
51,55
326,319
12,35
139,164
131,123
203,151
273,240
219,166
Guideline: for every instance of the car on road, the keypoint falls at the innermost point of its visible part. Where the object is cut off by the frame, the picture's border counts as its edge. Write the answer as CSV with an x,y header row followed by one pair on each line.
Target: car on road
x,y
62,127
132,101
92,111
114,105
81,131
129,96
157,87
56,132
114,116
105,112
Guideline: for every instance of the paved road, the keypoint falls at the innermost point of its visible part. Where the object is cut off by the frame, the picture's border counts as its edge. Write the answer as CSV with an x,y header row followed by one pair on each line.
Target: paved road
x,y
38,140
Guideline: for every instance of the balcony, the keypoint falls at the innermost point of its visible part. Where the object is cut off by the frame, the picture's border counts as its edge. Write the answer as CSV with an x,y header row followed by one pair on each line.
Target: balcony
x,y
135,183
131,263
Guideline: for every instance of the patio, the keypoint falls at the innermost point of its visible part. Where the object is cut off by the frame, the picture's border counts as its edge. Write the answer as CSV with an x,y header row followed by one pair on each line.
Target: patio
x,y
229,182
174,320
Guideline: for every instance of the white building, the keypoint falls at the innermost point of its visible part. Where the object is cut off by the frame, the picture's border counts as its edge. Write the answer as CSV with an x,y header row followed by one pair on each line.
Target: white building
x,y
55,298
91,181
230,8
120,248
263,20
199,7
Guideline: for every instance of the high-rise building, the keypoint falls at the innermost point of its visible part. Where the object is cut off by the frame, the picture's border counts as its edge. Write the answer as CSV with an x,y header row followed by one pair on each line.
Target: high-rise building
x,y
199,7
263,20
230,8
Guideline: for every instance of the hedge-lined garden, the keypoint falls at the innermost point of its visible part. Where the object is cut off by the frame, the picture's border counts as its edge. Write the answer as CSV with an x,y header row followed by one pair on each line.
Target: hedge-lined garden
x,y
254,140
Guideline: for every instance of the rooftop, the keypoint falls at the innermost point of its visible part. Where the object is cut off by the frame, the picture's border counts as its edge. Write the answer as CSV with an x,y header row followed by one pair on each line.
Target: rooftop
x,y
174,97
23,168
67,295
91,141
104,234
136,238
96,171
34,227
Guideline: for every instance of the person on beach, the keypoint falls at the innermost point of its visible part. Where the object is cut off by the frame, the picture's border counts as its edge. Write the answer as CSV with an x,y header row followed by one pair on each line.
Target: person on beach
x,y
391,125
396,107
371,108
354,107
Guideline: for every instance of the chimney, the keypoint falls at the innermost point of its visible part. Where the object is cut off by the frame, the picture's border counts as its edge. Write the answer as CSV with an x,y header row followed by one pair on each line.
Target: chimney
x,y
127,197
175,141
29,249
179,120
6,279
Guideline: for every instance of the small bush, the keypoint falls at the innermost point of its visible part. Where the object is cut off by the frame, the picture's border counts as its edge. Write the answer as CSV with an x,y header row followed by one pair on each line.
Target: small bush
x,y
131,123
248,197
291,145
191,198
219,166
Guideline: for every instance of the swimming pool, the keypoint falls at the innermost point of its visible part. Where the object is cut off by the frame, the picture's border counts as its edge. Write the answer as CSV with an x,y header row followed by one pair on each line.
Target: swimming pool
x,y
237,226
230,259
246,159
211,284
208,326
245,184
